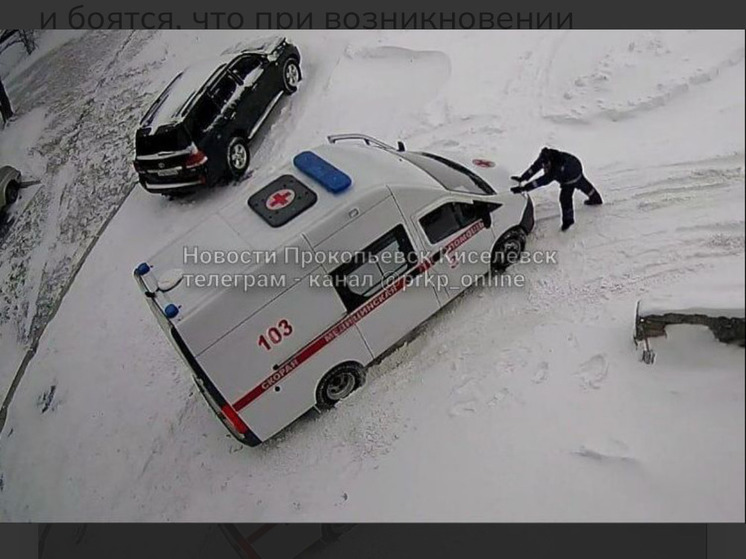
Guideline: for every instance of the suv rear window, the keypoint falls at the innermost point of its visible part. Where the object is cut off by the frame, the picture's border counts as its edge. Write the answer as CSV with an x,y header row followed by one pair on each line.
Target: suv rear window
x,y
174,138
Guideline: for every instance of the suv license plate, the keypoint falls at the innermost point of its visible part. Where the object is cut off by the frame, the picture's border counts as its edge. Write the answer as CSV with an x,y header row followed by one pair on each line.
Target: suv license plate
x,y
168,172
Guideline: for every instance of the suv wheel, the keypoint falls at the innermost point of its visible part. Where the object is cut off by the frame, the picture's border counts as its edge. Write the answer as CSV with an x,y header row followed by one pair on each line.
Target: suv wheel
x,y
238,157
290,75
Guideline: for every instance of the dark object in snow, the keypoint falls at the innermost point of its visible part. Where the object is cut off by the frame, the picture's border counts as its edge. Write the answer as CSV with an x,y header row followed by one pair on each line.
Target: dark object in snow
x,y
45,400
567,170
10,184
5,108
198,130
729,330
726,329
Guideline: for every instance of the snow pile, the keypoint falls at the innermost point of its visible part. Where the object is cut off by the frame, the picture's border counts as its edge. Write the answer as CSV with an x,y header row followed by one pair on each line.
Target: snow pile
x,y
715,297
512,404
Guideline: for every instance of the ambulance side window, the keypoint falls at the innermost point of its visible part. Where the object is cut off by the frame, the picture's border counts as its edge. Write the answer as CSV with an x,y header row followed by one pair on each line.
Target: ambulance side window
x,y
445,220
374,267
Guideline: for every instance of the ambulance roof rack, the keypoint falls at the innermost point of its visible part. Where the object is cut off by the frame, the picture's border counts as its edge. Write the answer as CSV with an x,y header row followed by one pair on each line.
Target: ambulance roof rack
x,y
367,139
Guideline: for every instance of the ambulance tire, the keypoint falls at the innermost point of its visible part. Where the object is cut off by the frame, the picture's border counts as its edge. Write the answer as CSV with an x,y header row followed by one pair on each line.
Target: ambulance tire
x,y
11,193
338,384
508,249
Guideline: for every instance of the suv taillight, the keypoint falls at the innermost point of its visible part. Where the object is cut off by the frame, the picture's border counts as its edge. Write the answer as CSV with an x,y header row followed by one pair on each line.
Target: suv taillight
x,y
195,159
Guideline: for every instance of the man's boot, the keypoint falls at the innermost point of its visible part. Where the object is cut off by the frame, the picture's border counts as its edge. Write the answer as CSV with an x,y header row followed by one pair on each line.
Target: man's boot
x,y
594,199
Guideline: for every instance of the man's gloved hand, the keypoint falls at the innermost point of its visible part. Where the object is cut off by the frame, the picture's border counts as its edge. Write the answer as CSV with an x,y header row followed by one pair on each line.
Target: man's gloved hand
x,y
516,178
518,189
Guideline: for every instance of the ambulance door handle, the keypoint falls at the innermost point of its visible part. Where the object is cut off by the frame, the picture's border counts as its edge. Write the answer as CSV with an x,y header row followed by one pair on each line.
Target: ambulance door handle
x,y
354,212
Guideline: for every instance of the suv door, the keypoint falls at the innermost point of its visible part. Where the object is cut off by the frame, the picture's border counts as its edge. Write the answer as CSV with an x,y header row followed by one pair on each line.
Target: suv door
x,y
213,120
258,90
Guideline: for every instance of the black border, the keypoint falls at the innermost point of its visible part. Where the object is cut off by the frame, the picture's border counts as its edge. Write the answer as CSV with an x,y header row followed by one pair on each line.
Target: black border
x,y
625,540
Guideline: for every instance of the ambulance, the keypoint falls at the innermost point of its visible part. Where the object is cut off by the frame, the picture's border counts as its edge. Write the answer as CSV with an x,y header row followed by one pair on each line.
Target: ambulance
x,y
280,300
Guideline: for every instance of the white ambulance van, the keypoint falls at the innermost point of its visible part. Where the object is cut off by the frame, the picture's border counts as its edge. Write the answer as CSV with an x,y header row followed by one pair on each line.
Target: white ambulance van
x,y
279,301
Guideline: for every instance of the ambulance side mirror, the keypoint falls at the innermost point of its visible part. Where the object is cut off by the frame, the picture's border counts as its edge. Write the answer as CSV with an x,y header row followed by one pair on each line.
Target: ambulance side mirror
x,y
400,146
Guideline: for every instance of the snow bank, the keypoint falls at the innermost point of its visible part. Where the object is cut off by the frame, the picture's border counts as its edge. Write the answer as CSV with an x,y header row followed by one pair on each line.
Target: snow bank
x,y
719,294
726,301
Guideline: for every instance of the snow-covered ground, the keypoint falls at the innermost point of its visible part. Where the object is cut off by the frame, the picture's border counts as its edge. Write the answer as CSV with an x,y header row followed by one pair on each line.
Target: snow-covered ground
x,y
513,404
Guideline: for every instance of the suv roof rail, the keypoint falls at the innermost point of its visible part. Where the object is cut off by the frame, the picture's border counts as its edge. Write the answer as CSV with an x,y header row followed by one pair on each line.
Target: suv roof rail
x,y
367,139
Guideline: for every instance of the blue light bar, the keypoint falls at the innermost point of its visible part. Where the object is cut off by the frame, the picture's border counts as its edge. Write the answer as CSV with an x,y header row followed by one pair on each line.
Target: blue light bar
x,y
322,171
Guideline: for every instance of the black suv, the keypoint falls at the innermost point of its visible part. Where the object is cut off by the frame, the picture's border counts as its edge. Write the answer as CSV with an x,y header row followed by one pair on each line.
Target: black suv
x,y
197,131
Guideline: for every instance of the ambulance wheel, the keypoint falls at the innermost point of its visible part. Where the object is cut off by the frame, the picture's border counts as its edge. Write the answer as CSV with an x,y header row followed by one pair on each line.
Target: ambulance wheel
x,y
11,192
237,155
290,76
508,249
338,384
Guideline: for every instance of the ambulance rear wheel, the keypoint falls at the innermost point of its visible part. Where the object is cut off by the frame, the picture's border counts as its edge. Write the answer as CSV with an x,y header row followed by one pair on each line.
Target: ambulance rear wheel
x,y
11,192
338,384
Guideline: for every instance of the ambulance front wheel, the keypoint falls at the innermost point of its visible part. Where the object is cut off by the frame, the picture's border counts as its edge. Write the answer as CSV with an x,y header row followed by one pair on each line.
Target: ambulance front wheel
x,y
508,249
338,384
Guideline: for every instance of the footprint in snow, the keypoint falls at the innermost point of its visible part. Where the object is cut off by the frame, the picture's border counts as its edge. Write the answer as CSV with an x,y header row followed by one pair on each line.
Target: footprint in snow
x,y
594,372
611,450
499,398
542,373
463,407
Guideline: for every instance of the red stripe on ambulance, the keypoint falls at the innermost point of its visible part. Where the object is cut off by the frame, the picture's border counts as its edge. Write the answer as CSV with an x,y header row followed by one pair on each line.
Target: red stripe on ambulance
x,y
350,320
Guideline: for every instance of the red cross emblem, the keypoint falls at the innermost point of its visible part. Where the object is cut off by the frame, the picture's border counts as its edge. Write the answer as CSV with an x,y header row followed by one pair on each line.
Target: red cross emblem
x,y
280,199
486,163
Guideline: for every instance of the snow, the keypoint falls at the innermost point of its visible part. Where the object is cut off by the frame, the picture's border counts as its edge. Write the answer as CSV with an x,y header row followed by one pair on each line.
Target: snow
x,y
18,149
14,60
513,404
719,294
18,144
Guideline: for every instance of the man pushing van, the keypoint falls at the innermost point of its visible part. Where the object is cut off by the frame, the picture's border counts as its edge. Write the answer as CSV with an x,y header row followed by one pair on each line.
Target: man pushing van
x,y
567,170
